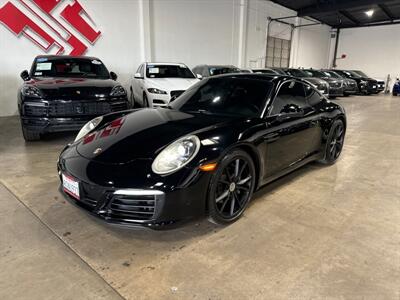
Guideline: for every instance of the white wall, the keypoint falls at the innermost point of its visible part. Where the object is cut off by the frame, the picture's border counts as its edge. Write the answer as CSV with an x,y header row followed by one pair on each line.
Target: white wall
x,y
374,50
189,31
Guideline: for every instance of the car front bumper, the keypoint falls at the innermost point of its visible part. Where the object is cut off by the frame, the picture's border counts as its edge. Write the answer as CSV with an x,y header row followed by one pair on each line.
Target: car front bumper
x,y
335,92
131,195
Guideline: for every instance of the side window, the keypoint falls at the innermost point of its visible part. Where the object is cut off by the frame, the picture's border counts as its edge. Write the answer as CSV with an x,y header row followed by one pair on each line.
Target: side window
x,y
291,97
312,96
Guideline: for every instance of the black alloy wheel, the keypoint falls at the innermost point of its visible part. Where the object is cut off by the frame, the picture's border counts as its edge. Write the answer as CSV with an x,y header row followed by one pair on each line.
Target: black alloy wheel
x,y
231,188
29,135
335,142
145,100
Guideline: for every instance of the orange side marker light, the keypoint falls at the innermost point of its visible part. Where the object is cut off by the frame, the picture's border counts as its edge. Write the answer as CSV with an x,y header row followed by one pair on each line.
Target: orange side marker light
x,y
208,167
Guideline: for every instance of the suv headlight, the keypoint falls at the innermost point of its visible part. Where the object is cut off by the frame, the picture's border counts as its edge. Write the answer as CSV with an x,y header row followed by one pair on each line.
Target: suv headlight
x,y
156,91
31,91
118,91
176,155
88,127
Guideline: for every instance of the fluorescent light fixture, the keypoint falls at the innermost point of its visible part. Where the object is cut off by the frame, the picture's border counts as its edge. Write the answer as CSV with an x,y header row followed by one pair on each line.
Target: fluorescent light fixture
x,y
369,13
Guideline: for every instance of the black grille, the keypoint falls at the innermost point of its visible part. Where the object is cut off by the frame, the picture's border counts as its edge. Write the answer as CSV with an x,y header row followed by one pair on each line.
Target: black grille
x,y
175,94
138,207
75,108
118,106
335,84
33,110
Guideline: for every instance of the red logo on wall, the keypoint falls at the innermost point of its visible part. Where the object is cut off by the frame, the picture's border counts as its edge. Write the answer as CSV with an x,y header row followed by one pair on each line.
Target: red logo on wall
x,y
54,25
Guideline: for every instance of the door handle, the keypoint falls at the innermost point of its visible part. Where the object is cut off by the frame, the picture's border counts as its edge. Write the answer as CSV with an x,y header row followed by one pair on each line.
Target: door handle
x,y
272,137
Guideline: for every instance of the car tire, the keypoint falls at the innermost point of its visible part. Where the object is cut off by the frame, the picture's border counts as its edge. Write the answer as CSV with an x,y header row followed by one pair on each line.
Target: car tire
x,y
334,143
394,93
145,100
30,135
231,188
132,98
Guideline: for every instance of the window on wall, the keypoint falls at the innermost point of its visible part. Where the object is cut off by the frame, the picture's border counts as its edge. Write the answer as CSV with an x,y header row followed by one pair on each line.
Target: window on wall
x,y
278,52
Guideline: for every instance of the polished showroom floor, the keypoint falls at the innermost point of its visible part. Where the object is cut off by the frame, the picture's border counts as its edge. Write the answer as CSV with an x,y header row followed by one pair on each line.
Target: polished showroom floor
x,y
321,232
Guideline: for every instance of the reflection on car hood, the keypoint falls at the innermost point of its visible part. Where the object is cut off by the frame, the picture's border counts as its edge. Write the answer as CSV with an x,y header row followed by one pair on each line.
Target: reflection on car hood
x,y
170,84
315,80
72,88
143,133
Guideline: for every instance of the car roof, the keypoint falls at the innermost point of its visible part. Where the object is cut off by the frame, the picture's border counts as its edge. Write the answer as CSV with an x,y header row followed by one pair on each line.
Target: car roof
x,y
164,63
266,77
66,56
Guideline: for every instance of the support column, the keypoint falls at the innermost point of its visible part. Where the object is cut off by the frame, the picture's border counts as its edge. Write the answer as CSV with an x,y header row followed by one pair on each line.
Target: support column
x,y
242,33
145,30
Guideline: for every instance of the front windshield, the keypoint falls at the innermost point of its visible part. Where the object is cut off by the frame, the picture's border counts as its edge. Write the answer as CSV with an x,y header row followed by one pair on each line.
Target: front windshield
x,y
223,70
331,74
314,73
168,71
235,96
361,73
69,67
352,74
296,73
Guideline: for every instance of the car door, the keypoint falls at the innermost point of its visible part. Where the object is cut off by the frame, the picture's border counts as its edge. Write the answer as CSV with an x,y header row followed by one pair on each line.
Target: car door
x,y
138,85
293,131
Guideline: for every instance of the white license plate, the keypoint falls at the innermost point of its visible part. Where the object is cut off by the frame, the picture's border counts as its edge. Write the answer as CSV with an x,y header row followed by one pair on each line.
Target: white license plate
x,y
71,186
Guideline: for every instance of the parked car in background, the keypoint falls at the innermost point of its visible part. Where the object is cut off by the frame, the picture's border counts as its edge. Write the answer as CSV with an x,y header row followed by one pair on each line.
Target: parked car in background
x,y
381,83
158,84
396,88
366,86
335,84
349,85
62,93
212,70
318,83
266,71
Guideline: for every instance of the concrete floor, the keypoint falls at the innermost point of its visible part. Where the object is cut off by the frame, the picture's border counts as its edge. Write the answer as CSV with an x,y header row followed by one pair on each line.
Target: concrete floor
x,y
321,232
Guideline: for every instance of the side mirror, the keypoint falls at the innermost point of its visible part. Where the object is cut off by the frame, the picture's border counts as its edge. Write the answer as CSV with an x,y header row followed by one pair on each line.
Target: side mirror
x,y
25,75
113,76
290,111
199,76
138,76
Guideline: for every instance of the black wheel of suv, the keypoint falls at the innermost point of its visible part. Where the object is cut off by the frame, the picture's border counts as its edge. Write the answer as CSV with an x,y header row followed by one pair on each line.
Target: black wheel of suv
x,y
231,188
394,93
334,143
30,135
145,100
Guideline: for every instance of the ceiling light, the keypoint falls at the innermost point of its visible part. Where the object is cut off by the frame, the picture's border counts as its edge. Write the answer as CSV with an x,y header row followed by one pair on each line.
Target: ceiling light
x,y
369,13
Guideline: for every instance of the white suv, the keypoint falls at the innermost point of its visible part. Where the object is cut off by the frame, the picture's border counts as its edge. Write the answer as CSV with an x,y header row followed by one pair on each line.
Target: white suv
x,y
157,84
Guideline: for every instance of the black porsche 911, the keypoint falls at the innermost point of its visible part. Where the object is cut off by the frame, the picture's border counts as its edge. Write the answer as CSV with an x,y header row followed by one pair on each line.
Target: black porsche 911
x,y
205,155
62,93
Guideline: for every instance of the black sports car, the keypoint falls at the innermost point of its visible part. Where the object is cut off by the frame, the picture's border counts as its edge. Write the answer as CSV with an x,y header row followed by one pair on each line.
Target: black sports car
x,y
62,93
206,154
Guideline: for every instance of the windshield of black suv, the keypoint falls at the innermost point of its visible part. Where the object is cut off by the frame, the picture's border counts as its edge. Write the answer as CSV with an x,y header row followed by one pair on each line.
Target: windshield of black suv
x,y
296,73
361,73
314,73
168,71
352,74
69,67
218,70
235,96
331,74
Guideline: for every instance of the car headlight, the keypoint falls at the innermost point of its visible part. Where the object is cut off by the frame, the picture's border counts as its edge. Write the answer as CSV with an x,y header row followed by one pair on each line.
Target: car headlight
x,y
31,91
118,91
156,91
88,127
176,155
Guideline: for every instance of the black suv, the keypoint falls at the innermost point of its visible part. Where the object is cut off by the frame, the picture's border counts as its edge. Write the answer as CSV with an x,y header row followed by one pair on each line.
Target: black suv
x,y
366,85
62,93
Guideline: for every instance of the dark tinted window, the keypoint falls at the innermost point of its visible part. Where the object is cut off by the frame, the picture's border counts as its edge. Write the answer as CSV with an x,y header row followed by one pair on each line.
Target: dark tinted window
x,y
296,73
222,70
225,96
265,71
168,71
291,95
312,96
69,67
314,73
331,74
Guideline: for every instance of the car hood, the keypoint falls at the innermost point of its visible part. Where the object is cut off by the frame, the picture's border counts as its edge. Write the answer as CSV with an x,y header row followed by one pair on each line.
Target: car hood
x,y
171,84
315,80
73,88
144,133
